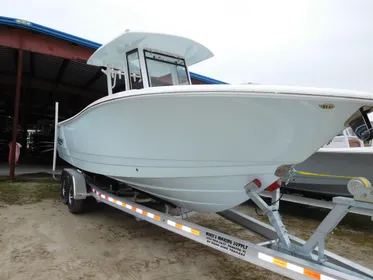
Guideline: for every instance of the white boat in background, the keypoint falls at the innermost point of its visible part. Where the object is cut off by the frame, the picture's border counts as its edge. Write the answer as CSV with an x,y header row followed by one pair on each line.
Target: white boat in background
x,y
346,139
197,146
328,171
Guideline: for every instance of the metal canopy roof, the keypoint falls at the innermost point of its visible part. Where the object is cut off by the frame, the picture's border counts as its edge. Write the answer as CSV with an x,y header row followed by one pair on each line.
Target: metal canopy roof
x,y
48,79
77,40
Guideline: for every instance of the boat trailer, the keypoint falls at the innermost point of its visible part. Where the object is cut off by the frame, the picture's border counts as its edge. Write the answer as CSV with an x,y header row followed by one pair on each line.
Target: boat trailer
x,y
282,253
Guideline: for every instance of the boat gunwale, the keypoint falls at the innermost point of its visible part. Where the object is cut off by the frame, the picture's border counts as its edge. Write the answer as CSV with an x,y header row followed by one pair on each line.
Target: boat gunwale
x,y
211,91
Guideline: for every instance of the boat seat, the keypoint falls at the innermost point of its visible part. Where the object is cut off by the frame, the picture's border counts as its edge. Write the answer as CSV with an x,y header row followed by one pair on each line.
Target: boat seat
x,y
354,143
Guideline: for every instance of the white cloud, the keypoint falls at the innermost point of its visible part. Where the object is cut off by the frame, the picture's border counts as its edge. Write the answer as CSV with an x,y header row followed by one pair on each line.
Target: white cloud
x,y
298,42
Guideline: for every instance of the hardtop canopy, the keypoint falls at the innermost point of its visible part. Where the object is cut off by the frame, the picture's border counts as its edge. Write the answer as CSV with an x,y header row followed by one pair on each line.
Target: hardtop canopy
x,y
111,54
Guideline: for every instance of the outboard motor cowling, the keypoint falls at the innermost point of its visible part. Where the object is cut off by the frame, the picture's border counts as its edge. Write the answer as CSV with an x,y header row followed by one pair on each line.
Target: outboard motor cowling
x,y
364,133
362,126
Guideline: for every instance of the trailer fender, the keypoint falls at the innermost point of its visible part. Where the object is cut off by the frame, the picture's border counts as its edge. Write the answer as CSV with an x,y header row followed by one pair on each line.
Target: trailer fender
x,y
78,183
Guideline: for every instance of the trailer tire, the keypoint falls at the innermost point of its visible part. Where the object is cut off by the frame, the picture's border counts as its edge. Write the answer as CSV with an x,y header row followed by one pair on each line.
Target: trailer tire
x,y
75,206
65,188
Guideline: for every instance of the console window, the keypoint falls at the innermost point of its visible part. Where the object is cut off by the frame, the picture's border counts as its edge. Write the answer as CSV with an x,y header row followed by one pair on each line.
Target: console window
x,y
134,72
164,70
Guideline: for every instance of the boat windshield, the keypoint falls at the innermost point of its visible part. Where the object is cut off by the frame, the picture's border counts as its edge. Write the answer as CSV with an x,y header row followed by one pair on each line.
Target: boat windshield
x,y
164,70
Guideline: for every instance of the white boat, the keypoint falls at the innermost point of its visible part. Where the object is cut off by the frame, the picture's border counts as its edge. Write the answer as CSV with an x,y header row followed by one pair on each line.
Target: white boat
x,y
328,171
197,146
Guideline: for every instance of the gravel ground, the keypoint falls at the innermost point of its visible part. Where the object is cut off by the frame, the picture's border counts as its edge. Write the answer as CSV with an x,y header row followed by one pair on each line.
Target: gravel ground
x,y
40,239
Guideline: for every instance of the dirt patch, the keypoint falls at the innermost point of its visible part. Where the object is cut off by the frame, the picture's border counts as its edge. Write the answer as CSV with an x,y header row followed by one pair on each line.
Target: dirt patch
x,y
40,239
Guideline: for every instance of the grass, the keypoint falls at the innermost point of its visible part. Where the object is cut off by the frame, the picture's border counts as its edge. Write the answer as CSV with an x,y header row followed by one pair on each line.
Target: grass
x,y
28,191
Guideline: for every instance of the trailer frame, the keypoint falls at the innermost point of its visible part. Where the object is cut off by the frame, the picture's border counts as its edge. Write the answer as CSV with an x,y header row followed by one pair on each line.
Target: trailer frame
x,y
282,253
298,198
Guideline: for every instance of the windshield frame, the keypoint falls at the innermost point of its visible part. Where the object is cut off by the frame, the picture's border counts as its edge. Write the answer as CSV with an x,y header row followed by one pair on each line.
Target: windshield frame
x,y
167,59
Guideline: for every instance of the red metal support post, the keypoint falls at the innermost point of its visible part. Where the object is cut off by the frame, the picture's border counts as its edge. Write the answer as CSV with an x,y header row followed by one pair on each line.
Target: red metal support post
x,y
16,113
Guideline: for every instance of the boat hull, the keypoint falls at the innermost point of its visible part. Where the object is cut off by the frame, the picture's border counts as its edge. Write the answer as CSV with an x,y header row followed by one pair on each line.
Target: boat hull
x,y
341,163
201,194
199,146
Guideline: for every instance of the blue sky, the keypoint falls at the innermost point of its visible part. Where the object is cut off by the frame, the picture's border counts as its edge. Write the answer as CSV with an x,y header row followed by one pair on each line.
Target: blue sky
x,y
322,43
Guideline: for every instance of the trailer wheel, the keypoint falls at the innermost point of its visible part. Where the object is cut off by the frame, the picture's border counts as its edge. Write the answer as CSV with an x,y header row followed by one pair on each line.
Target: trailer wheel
x,y
65,188
75,205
